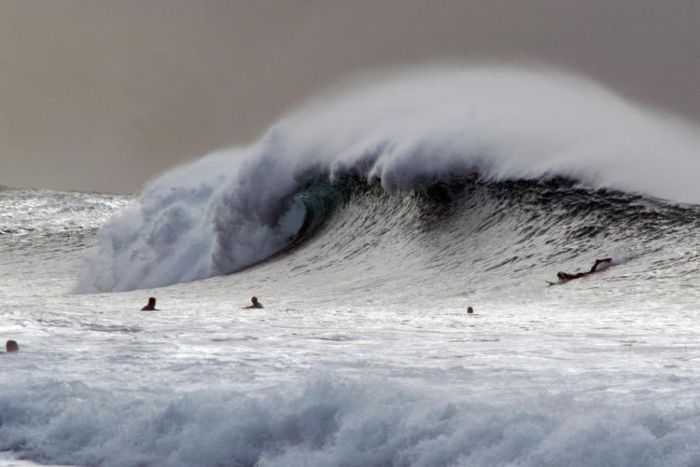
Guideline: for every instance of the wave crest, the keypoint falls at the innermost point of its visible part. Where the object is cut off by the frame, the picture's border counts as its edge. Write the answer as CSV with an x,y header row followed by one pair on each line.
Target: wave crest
x,y
326,423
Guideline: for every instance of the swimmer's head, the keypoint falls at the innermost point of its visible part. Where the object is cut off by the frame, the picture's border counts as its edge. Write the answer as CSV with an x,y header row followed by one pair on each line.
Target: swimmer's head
x,y
151,301
470,310
254,300
561,276
11,346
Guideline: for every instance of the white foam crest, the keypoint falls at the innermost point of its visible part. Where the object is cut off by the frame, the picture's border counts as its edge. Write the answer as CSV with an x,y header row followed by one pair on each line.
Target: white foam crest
x,y
507,123
326,423
227,211
196,221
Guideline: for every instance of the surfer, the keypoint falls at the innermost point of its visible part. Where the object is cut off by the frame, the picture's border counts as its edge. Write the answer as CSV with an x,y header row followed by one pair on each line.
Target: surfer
x,y
255,303
151,305
600,265
11,346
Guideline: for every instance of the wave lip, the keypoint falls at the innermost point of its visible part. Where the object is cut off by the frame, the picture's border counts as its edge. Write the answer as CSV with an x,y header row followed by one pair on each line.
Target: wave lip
x,y
235,208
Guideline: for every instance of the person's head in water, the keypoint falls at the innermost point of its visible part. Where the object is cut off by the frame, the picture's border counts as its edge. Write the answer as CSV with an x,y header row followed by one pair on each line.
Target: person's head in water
x,y
470,310
254,303
151,305
11,346
561,276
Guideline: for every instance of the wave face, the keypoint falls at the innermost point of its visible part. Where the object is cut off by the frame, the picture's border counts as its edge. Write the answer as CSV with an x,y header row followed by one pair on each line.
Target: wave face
x,y
458,140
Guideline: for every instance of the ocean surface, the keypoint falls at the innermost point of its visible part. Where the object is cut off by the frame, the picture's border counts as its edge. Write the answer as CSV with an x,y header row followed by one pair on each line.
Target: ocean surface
x,y
366,223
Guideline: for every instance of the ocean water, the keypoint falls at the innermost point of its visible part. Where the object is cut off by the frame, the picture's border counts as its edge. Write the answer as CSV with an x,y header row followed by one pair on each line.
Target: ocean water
x,y
366,223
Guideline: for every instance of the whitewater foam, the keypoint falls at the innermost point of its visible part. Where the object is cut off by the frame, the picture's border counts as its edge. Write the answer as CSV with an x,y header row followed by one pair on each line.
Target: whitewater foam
x,y
364,353
237,207
329,423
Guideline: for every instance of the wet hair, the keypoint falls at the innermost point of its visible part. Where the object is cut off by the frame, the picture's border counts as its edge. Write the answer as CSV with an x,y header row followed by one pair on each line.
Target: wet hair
x,y
11,346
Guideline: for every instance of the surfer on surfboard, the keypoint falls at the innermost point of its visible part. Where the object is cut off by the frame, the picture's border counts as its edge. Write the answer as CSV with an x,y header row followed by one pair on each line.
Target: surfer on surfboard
x,y
600,265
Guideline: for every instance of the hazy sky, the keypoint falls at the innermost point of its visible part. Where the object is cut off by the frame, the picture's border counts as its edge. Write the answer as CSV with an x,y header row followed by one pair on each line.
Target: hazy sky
x,y
103,95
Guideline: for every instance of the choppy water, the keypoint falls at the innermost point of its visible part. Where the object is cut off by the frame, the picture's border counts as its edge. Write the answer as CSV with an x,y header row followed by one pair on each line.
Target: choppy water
x,y
364,353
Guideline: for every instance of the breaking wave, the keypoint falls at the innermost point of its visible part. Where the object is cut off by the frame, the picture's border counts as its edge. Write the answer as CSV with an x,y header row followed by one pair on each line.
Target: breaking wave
x,y
326,423
427,138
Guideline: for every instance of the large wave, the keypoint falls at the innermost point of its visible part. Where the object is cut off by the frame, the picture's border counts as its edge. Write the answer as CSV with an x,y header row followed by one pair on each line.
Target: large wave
x,y
237,207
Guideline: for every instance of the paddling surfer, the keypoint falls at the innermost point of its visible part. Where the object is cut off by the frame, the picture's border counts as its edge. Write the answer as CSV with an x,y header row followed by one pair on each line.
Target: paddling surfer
x,y
600,265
